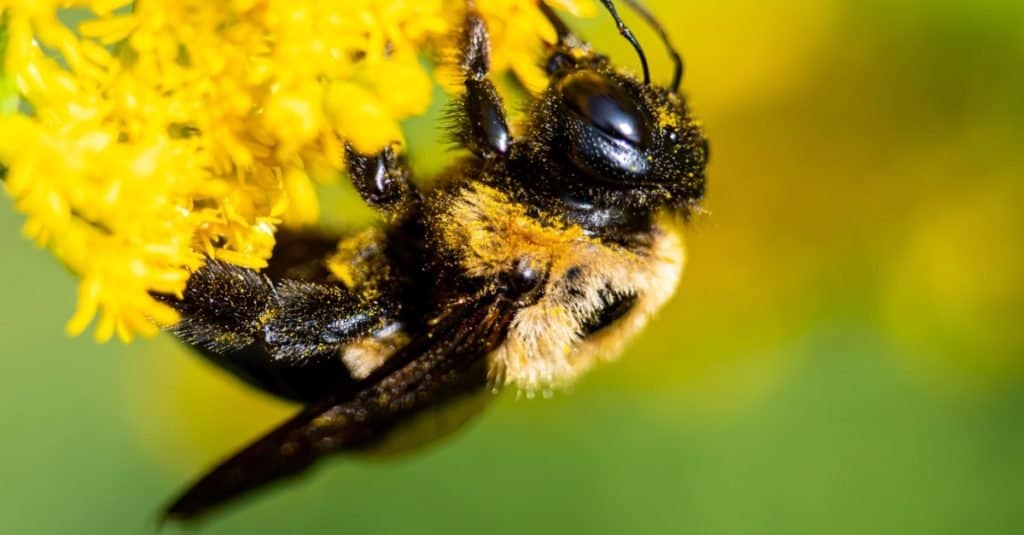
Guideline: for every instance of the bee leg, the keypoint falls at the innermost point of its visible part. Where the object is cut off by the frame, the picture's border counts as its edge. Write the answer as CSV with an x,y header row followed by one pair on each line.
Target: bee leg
x,y
481,127
444,364
566,38
282,336
382,180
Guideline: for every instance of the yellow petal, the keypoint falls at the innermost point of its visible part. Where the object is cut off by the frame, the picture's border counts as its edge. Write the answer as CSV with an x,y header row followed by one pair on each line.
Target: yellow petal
x,y
303,207
88,294
360,118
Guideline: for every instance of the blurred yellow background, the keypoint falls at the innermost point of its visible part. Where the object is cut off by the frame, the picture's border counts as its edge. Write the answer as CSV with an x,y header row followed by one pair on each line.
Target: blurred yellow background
x,y
845,354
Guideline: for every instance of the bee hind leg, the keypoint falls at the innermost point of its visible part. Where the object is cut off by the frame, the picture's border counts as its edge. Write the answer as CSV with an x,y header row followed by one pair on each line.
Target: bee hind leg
x,y
282,336
444,364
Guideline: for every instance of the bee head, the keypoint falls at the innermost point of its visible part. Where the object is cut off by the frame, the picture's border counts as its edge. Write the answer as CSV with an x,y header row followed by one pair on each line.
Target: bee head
x,y
614,131
613,141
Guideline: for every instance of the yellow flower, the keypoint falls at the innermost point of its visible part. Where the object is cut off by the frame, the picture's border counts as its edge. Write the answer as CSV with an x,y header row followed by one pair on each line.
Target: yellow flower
x,y
154,133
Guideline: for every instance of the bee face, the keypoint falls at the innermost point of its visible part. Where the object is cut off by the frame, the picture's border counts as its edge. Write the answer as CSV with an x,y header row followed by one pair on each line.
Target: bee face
x,y
608,133
610,143
618,133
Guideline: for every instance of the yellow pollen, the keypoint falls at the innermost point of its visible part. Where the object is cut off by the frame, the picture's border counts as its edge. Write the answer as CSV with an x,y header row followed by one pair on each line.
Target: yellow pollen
x,y
153,134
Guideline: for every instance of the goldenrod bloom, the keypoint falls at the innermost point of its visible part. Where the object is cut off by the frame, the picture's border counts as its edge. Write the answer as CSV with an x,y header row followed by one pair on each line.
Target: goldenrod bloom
x,y
153,133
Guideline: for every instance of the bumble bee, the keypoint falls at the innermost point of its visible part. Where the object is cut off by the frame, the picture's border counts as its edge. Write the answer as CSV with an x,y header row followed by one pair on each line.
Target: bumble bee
x,y
533,258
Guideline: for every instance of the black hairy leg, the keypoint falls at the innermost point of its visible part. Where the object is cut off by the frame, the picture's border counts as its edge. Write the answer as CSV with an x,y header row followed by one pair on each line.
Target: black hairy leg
x,y
283,336
563,53
479,116
445,362
382,180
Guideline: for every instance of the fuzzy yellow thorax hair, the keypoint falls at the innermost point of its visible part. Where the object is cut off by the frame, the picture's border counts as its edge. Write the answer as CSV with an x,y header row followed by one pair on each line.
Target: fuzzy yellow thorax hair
x,y
547,346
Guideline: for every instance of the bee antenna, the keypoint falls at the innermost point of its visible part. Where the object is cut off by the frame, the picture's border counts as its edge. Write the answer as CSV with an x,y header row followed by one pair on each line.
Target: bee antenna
x,y
625,32
677,60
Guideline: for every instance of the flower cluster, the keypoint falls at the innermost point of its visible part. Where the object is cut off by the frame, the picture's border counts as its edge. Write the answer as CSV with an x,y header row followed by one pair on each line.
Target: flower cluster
x,y
141,137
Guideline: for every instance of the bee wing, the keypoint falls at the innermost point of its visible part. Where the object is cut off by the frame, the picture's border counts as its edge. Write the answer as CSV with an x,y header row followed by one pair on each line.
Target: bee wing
x,y
446,361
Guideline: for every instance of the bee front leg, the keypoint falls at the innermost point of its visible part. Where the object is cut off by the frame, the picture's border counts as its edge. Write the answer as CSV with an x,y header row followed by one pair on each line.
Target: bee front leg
x,y
481,124
382,180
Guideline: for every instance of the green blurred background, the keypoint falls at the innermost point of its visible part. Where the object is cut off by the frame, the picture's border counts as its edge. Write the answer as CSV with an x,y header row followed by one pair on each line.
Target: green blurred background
x,y
845,354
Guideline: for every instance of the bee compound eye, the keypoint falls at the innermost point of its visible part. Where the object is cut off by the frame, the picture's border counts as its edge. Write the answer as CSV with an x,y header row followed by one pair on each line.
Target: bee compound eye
x,y
606,106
